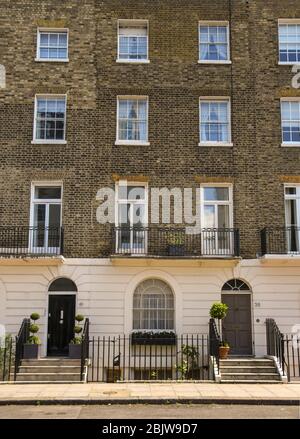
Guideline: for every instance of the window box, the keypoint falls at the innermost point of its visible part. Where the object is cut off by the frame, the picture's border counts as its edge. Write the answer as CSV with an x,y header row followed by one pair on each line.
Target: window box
x,y
166,338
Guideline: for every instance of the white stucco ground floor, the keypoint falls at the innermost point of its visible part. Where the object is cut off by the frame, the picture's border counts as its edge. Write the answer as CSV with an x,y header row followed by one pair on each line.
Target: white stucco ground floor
x,y
104,292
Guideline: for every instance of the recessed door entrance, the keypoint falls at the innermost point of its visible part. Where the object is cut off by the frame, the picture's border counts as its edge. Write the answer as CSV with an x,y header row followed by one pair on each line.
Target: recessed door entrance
x,y
237,323
61,320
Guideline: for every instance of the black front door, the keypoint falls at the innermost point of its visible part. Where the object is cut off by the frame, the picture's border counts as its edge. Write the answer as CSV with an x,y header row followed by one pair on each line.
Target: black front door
x,y
237,330
61,320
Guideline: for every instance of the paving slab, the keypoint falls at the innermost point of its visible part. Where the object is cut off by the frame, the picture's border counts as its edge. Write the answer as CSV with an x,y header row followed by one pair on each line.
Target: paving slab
x,y
126,393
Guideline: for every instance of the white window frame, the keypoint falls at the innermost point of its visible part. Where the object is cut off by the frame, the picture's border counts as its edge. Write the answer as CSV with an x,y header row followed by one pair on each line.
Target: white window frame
x,y
155,310
49,141
214,23
38,39
216,99
132,23
132,142
297,198
34,201
217,202
282,21
119,201
287,144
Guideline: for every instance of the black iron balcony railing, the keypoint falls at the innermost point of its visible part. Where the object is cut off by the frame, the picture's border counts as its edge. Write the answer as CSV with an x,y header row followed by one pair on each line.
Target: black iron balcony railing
x,y
31,241
175,242
280,240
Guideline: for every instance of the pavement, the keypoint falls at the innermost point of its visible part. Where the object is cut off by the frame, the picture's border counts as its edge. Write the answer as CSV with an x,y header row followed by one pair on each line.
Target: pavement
x,y
150,393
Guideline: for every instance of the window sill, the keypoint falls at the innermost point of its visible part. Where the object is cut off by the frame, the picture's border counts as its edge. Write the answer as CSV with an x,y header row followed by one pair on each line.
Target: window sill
x,y
52,60
200,61
291,144
138,61
48,142
128,143
227,145
296,63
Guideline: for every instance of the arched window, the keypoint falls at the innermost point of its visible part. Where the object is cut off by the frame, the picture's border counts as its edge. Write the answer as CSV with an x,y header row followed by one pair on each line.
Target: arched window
x,y
63,284
153,306
235,285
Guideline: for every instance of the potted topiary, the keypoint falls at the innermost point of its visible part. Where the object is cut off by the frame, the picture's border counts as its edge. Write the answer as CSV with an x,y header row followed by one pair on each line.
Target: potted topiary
x,y
32,348
218,311
75,343
175,241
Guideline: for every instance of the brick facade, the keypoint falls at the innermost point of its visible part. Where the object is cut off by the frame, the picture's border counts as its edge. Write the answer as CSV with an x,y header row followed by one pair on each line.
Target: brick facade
x,y
257,164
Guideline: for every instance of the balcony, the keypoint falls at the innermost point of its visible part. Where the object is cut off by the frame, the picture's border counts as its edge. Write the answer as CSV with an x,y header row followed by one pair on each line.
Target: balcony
x,y
280,241
175,242
31,241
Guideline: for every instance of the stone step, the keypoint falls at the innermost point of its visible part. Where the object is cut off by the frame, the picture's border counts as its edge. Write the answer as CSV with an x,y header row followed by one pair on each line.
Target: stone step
x,y
250,382
248,369
246,362
49,369
50,382
63,377
51,362
250,376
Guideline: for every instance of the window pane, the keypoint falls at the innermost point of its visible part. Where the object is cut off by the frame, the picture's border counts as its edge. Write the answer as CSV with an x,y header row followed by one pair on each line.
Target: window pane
x,y
132,119
290,115
289,42
53,40
51,192
44,39
290,191
209,217
150,306
213,43
53,45
223,217
133,42
216,193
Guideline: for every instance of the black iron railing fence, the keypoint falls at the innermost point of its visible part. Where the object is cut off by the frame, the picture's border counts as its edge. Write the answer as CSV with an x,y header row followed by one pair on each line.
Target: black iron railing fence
x,y
292,356
280,240
275,342
7,357
21,338
214,342
31,241
85,346
116,358
175,242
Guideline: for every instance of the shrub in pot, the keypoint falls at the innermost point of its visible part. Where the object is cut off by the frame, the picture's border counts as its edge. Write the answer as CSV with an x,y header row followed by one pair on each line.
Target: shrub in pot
x,y
76,342
218,311
32,347
175,241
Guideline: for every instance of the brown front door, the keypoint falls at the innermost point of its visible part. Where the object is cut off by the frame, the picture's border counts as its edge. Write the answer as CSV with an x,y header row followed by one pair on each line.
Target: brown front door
x,y
237,328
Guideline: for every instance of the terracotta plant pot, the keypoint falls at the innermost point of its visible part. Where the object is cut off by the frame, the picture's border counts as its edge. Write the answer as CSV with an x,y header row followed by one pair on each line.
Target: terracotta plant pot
x,y
223,352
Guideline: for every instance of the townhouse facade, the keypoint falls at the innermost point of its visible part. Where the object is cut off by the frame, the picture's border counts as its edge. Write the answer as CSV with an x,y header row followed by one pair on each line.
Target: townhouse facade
x,y
135,96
